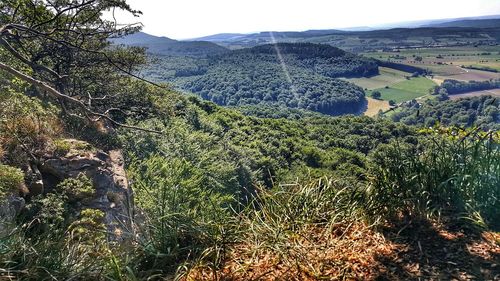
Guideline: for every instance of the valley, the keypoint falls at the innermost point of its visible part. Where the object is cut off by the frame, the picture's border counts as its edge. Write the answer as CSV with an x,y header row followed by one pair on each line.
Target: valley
x,y
306,78
367,153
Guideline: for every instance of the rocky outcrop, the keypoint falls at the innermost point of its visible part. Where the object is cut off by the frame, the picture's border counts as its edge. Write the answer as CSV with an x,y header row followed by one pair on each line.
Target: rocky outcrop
x,y
106,170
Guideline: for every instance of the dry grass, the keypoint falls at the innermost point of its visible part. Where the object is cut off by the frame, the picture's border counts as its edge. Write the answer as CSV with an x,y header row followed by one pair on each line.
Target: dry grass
x,y
374,106
422,250
343,253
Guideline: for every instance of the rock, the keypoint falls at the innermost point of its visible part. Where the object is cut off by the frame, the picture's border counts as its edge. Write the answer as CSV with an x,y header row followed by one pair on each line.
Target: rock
x,y
106,170
9,209
36,188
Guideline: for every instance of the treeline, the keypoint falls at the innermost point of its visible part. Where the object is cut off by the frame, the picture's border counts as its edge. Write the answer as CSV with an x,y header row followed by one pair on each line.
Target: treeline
x,y
276,112
457,87
483,68
402,67
480,112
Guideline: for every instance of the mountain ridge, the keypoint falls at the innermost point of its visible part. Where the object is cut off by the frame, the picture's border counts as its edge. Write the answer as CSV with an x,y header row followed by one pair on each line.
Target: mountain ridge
x,y
169,47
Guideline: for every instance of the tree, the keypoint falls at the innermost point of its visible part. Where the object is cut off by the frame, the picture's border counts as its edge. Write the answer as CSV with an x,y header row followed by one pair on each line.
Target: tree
x,y
62,48
392,103
443,94
376,95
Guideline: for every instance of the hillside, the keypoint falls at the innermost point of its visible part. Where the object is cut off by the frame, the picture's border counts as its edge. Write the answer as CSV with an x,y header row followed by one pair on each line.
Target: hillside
x,y
105,175
169,47
479,23
300,76
372,40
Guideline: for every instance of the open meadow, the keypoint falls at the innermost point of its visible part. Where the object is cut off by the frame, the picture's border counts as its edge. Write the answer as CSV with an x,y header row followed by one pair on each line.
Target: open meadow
x,y
405,90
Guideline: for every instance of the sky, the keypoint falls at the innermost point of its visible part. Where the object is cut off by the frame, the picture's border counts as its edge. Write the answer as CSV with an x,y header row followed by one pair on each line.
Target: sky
x,y
184,19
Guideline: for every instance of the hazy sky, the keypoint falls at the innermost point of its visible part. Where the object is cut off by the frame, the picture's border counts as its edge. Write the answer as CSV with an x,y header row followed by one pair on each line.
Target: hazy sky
x,y
182,19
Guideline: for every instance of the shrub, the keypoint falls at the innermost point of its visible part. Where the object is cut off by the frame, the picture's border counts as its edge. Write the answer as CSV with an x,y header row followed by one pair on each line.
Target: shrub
x,y
182,215
26,126
376,95
77,189
11,179
61,147
46,214
89,228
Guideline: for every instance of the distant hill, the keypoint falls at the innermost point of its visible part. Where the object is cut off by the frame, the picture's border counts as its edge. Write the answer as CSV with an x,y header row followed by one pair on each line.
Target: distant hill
x,y
169,47
371,40
479,23
293,75
220,37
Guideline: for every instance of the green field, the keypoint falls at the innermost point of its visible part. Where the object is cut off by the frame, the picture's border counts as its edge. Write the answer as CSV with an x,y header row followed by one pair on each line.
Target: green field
x,y
387,76
406,90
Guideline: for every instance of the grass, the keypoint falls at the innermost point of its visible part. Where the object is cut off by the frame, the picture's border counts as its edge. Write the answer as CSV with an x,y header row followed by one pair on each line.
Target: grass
x,y
318,229
387,76
374,106
407,90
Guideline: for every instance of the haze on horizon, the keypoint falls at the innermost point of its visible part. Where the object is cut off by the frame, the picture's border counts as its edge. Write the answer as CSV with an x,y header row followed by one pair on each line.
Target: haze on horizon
x,y
196,18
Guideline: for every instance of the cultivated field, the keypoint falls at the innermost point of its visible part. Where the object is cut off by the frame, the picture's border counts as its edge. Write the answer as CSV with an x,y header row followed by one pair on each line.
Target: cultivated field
x,y
374,106
406,90
446,63
387,76
493,92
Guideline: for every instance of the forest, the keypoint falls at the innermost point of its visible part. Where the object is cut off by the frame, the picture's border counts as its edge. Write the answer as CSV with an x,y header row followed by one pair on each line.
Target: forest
x,y
482,112
457,87
106,175
302,77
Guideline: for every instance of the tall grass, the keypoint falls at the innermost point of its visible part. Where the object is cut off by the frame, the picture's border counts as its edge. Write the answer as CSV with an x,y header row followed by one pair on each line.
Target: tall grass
x,y
51,256
450,171
181,219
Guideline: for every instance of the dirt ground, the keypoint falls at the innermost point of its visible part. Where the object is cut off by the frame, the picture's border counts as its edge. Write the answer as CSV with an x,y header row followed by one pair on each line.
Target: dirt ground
x,y
493,92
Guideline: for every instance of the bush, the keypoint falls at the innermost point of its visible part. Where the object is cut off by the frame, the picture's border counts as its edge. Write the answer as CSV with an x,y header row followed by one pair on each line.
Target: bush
x,y
376,95
11,180
61,147
77,189
26,127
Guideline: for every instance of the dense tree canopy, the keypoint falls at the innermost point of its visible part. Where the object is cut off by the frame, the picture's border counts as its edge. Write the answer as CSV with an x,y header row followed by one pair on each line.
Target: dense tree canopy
x,y
289,75
468,112
457,87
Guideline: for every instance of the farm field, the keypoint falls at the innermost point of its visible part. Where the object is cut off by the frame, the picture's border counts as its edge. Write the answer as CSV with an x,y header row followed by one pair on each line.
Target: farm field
x,y
406,90
374,106
493,92
447,62
387,76
470,74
